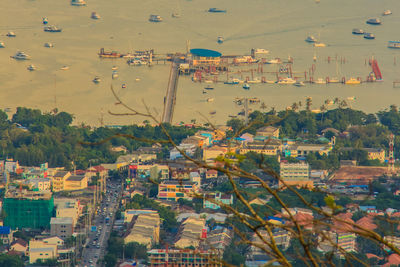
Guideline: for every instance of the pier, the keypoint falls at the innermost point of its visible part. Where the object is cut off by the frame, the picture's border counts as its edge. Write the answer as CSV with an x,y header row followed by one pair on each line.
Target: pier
x,y
170,96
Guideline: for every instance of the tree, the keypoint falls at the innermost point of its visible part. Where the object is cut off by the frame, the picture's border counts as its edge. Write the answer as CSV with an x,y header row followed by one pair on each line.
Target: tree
x,y
134,250
11,261
110,260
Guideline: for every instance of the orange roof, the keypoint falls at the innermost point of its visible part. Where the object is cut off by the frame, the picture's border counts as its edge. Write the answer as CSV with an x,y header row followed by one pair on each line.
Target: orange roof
x,y
367,223
370,255
393,259
357,174
343,222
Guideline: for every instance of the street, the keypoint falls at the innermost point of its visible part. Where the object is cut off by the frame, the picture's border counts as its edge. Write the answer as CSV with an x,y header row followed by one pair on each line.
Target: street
x,y
103,221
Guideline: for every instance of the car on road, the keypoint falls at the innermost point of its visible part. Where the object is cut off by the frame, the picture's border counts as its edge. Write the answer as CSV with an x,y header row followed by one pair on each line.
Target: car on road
x,y
90,261
98,246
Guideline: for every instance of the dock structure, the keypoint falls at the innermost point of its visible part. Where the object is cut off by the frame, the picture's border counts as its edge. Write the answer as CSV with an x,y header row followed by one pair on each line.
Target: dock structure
x,y
170,96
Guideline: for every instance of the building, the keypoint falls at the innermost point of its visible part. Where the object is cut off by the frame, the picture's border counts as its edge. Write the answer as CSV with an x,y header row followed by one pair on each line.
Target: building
x,y
211,200
211,153
6,235
146,230
188,149
76,182
39,250
346,241
280,236
19,245
174,190
218,239
68,207
211,174
41,184
61,227
302,150
152,171
59,179
182,257
28,209
261,148
191,232
295,174
205,57
269,131
129,214
376,153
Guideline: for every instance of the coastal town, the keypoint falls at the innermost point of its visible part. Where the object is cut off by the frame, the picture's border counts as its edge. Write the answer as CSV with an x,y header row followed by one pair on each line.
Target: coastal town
x,y
176,205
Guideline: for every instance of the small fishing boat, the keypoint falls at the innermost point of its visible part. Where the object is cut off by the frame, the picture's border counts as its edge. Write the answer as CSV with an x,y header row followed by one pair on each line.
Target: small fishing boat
x,y
310,39
78,3
387,12
48,45
256,80
31,67
95,15
21,56
333,80
175,15
246,86
209,88
96,79
394,44
357,31
114,68
319,45
155,18
52,28
270,81
45,20
123,86
287,80
137,79
299,84
353,81
220,39
233,81
213,112
2,45
374,21
210,99
216,10
204,92
11,34
369,36
64,68
351,98
114,74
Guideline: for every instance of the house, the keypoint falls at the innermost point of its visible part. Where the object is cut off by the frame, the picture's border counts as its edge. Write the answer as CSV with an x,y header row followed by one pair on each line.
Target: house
x,y
212,200
269,131
61,227
174,190
42,253
188,149
376,153
211,174
19,245
59,179
53,240
302,150
76,182
6,235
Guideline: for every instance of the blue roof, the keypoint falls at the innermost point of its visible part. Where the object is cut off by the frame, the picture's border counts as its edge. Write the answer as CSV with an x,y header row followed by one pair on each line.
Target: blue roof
x,y
205,52
4,230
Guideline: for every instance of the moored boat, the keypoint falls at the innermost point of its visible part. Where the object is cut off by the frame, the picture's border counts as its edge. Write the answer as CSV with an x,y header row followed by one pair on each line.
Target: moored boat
x,y
64,68
216,10
287,80
357,31
246,86
112,54
369,36
2,45
11,34
31,67
320,81
333,80
155,18
45,20
319,45
394,44
21,56
387,12
52,28
48,45
176,15
299,84
220,39
78,3
353,81
311,39
374,21
114,74
95,15
210,99
274,61
96,79
209,88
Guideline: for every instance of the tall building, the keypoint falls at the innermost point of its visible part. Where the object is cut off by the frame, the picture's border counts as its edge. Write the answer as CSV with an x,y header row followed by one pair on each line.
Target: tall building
x,y
28,209
295,174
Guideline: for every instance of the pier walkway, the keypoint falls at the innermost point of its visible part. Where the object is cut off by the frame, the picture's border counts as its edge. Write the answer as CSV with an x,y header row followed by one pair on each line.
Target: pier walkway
x,y
170,96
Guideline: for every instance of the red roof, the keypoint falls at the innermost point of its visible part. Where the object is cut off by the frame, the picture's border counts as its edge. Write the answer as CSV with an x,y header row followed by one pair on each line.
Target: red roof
x,y
97,168
393,260
343,222
367,223
370,255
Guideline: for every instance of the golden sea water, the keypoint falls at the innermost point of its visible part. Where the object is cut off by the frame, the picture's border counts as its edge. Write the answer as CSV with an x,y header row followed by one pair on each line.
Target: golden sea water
x,y
279,26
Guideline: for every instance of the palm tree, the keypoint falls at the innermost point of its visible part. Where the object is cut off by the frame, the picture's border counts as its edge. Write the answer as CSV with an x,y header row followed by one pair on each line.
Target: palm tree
x,y
308,103
323,109
336,101
343,104
263,106
295,106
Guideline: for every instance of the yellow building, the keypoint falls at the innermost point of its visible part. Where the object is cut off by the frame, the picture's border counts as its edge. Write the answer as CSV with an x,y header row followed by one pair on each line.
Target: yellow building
x,y
58,180
38,249
269,131
146,230
376,153
76,182
190,233
260,148
295,174
302,150
205,57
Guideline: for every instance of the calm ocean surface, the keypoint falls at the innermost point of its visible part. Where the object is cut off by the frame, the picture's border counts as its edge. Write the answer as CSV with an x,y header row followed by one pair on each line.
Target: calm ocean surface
x,y
279,26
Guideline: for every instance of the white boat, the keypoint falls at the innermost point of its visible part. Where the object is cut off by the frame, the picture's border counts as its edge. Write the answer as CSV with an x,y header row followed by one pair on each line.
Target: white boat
x,y
299,84
254,81
96,79
114,68
374,21
287,80
351,98
311,39
357,31
270,81
319,45
123,86
95,15
155,18
31,67
21,56
320,81
274,61
394,44
210,99
11,34
52,28
246,86
2,45
387,12
78,3
64,68
220,39
48,45
333,80
137,79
